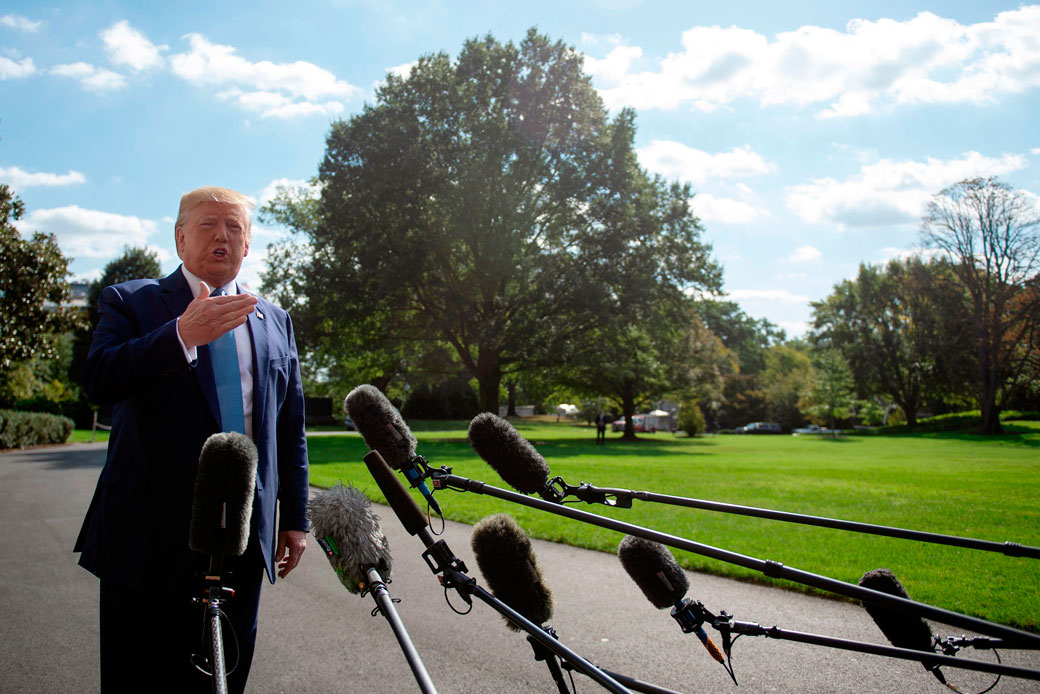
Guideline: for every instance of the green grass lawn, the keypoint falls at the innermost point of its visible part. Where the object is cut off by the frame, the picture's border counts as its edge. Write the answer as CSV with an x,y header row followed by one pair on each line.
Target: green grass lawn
x,y
84,436
958,484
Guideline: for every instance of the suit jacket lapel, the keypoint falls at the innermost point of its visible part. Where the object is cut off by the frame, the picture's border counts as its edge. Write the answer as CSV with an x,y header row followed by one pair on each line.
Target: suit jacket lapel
x,y
176,294
261,358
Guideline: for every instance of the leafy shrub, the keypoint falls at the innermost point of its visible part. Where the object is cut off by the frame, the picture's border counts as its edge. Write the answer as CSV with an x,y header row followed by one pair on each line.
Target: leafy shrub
x,y
690,418
21,429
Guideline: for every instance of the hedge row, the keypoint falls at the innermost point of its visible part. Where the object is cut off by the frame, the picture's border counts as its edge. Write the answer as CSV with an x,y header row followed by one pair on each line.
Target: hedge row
x,y
22,429
955,421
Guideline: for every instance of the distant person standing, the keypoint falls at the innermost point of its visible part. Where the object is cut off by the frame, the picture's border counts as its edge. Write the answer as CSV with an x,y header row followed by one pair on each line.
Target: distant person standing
x,y
601,428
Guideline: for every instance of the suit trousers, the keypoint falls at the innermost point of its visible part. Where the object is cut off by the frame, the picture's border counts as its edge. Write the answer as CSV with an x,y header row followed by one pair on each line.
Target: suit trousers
x,y
148,640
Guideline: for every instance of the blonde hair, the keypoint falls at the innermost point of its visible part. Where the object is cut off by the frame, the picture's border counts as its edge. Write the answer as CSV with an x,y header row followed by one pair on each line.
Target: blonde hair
x,y
215,194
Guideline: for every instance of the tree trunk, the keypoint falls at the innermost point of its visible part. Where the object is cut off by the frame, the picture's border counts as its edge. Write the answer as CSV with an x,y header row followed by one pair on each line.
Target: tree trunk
x,y
628,407
489,376
989,409
511,406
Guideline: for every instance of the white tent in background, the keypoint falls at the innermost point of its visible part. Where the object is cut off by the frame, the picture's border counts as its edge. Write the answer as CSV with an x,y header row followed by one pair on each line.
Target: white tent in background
x,y
659,420
566,410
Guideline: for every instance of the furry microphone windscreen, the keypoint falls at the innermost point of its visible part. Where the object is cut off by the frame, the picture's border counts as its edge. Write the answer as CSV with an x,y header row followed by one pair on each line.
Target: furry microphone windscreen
x,y
380,425
901,629
344,525
506,559
654,570
224,487
511,455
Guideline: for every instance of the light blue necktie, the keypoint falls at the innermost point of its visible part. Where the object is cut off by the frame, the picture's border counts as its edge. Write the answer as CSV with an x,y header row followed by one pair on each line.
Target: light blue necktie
x,y
224,354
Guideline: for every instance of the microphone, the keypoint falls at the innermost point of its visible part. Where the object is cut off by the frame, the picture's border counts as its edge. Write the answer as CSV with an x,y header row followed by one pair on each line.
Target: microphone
x,y
506,559
344,525
384,431
511,455
223,503
664,584
408,512
901,629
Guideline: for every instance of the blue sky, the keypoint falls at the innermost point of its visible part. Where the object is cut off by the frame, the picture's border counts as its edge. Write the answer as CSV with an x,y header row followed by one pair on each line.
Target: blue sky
x,y
813,133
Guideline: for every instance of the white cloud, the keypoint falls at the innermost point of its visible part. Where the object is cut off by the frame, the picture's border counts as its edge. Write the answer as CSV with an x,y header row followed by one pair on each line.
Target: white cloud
x,y
19,179
1035,150
869,66
9,69
274,105
298,187
711,208
767,296
90,77
892,253
403,70
794,328
20,23
128,46
675,160
805,254
280,90
86,233
890,192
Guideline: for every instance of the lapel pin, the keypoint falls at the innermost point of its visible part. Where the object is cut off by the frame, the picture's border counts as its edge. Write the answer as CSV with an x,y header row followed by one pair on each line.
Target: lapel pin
x,y
260,315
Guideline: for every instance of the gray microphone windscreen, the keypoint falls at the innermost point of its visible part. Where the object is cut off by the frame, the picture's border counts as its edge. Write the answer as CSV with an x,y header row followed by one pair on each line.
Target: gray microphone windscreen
x,y
901,629
654,570
224,487
380,425
344,525
506,559
511,455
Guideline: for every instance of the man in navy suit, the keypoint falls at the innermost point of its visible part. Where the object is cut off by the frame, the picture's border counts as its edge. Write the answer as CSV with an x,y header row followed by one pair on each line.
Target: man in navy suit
x,y
150,359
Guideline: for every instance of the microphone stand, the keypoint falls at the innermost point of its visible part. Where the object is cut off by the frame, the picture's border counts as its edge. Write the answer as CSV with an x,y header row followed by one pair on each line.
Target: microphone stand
x,y
543,653
727,626
557,489
452,571
385,605
540,653
1015,638
213,597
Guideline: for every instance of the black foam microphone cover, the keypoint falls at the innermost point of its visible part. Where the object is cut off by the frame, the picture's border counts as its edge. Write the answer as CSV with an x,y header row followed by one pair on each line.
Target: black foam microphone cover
x,y
380,425
511,455
224,487
506,559
344,525
654,570
901,629
409,513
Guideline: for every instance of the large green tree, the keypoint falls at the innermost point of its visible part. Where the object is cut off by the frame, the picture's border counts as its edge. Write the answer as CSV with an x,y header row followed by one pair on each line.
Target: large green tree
x,y
829,395
33,289
990,232
902,329
460,210
785,377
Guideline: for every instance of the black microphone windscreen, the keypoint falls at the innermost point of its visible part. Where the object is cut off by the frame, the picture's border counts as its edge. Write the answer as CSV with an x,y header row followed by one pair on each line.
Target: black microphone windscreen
x,y
901,629
654,570
409,513
343,523
511,455
506,559
223,503
380,425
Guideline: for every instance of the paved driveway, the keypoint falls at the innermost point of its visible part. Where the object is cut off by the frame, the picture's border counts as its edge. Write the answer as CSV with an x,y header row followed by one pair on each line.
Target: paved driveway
x,y
316,637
